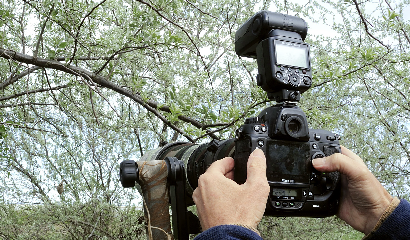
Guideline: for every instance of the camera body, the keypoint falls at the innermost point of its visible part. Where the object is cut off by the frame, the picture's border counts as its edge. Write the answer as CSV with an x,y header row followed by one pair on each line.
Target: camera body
x,y
296,188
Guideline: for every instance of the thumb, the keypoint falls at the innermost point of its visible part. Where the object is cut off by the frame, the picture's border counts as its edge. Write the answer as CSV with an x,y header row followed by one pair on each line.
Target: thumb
x,y
342,163
256,168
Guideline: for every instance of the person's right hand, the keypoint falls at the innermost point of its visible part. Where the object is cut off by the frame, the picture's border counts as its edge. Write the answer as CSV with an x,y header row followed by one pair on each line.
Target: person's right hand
x,y
363,198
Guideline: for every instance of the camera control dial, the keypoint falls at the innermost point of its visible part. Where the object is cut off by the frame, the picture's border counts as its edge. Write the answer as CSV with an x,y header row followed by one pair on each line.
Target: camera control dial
x,y
307,81
294,80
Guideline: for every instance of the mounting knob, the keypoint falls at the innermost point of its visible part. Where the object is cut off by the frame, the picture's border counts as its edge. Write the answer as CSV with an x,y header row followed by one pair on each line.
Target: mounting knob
x,y
128,173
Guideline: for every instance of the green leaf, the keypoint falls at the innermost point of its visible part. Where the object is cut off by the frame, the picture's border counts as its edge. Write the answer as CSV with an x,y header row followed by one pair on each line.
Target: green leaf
x,y
213,116
392,14
3,132
54,12
63,45
51,54
133,25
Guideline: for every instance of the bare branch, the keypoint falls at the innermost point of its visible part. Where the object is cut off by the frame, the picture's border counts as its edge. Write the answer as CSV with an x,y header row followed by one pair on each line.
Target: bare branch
x,y
79,27
27,103
43,27
139,141
12,79
365,25
32,91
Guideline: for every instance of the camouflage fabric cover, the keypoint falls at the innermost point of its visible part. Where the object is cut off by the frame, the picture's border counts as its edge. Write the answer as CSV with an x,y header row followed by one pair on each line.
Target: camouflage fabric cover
x,y
180,150
153,181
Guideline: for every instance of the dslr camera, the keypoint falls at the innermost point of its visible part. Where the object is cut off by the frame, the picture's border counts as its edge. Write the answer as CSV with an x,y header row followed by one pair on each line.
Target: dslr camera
x,y
281,131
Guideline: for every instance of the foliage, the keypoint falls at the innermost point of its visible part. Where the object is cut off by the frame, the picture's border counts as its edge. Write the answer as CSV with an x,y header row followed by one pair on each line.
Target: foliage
x,y
307,228
93,220
86,84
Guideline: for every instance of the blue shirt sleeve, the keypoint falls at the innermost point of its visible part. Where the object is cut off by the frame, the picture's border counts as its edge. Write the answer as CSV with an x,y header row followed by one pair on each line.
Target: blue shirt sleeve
x,y
228,232
396,226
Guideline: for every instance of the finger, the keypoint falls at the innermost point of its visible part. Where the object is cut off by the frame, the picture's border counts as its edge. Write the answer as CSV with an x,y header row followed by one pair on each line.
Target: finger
x,y
342,163
256,167
230,175
350,154
224,166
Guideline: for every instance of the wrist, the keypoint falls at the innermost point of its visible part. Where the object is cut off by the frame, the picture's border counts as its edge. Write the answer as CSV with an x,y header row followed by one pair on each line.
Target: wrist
x,y
380,216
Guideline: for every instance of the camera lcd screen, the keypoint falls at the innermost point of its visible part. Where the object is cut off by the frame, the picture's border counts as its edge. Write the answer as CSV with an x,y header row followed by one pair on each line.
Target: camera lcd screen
x,y
291,54
284,192
288,161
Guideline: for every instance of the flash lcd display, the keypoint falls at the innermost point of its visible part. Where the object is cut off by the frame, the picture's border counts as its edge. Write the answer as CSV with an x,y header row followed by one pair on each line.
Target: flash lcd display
x,y
291,54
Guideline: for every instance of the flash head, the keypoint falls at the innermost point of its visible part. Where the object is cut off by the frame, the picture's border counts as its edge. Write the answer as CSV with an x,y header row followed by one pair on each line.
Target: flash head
x,y
259,26
277,42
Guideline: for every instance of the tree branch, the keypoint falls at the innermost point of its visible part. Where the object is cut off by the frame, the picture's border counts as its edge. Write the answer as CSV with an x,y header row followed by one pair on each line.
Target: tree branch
x,y
398,20
122,50
231,123
139,141
26,127
12,79
43,27
78,30
27,103
32,177
354,70
151,106
58,23
182,29
365,25
32,91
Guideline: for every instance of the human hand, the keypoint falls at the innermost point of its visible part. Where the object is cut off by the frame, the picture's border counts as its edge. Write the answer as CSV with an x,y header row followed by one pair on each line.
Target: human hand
x,y
363,198
222,201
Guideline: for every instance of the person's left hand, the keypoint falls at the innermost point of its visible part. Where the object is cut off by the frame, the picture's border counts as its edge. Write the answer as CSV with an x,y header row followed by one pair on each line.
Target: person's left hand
x,y
221,201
